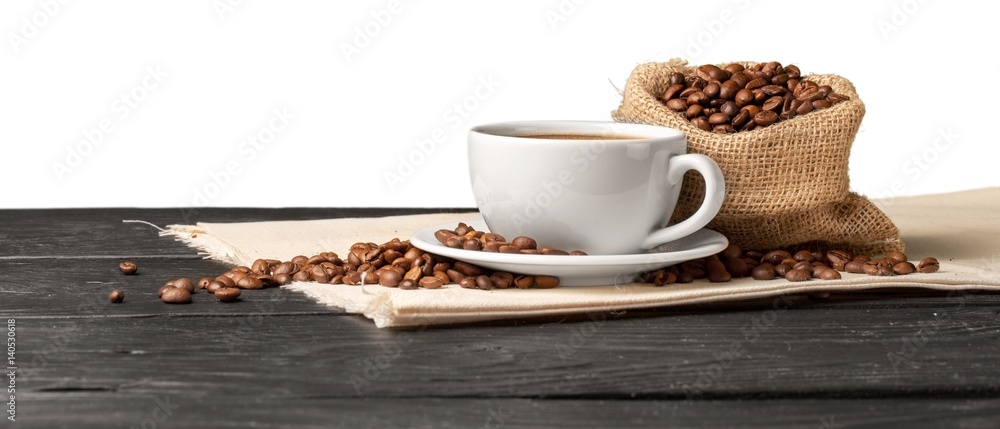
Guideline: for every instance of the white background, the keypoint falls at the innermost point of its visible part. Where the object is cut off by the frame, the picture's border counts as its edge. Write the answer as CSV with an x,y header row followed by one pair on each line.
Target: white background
x,y
361,102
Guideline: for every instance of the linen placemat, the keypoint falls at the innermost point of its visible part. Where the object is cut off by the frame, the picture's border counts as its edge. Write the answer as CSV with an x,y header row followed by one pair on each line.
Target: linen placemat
x,y
961,229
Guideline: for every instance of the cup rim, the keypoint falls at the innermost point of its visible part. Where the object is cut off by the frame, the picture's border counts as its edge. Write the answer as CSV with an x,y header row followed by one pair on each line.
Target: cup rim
x,y
516,129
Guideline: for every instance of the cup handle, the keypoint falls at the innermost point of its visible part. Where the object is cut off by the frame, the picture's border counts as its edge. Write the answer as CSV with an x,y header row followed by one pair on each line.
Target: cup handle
x,y
715,190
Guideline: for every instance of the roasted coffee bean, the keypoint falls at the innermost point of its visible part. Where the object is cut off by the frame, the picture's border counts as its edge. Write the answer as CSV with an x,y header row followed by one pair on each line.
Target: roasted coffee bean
x,y
183,283
414,274
804,266
502,280
215,285
928,265
247,282
731,251
677,104
493,247
116,296
175,295
430,282
128,268
408,285
552,251
467,282
260,266
454,276
719,276
673,91
743,97
701,122
828,274
896,257
228,294
838,259
204,281
283,278
903,268
676,78
728,89
775,257
782,269
879,267
268,281
711,90
765,118
302,276
804,255
856,266
773,104
763,271
737,267
684,277
718,118
524,282
299,259
723,128
546,282
390,278
467,268
483,282
694,111
472,244
797,275
577,253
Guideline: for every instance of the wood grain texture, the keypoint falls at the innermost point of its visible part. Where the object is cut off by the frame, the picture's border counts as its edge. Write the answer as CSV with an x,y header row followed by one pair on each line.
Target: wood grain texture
x,y
123,409
749,355
872,359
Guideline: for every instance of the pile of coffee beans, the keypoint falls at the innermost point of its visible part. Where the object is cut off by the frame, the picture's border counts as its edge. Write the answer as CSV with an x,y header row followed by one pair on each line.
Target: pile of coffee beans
x,y
399,264
734,98
466,237
799,266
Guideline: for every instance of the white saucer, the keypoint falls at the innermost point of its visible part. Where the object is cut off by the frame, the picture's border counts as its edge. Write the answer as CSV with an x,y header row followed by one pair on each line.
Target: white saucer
x,y
587,270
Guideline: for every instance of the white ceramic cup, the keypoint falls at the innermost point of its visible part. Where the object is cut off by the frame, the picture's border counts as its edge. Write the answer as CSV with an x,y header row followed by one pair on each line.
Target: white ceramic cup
x,y
603,194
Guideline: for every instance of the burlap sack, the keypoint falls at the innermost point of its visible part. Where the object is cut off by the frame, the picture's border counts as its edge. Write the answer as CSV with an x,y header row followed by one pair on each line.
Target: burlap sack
x,y
786,184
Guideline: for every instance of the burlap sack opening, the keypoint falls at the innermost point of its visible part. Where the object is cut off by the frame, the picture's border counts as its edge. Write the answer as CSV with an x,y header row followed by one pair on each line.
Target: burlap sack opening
x,y
786,184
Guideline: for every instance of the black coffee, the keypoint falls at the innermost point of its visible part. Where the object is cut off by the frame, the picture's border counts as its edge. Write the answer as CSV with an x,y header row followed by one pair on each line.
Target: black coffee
x,y
581,136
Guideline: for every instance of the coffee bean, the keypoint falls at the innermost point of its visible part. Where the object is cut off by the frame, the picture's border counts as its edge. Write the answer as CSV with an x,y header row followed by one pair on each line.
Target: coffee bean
x,y
472,244
552,251
701,122
804,266
782,269
712,90
390,278
928,265
248,282
719,276
677,104
283,278
718,118
228,294
903,268
204,281
546,282
775,257
838,259
694,111
797,275
879,267
430,282
765,118
260,266
577,253
502,280
763,271
676,78
523,281
183,283
743,97
773,103
467,282
483,282
116,296
408,285
175,295
672,92
896,257
737,267
128,268
804,255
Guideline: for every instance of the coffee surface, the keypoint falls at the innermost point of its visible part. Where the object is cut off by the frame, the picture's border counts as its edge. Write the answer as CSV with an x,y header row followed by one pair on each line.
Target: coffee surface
x,y
580,136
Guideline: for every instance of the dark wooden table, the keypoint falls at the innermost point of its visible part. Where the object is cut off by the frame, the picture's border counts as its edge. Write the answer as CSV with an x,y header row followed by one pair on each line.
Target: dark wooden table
x,y
877,359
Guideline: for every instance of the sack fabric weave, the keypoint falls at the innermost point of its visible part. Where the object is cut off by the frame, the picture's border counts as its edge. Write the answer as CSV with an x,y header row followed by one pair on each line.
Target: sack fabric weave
x,y
787,184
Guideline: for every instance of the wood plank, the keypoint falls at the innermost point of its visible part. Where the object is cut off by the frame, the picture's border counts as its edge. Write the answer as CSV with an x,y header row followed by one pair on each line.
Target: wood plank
x,y
749,354
127,408
79,288
100,232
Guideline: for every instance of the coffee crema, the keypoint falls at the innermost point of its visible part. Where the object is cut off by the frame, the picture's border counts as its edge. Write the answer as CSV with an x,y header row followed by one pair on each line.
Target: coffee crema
x,y
554,136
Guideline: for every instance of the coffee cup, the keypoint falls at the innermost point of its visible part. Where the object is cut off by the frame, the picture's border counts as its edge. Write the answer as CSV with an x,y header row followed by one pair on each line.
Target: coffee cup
x,y
602,187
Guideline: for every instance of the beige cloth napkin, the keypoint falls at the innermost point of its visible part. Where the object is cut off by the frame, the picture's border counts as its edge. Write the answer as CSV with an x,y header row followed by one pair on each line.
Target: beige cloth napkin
x,y
961,229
